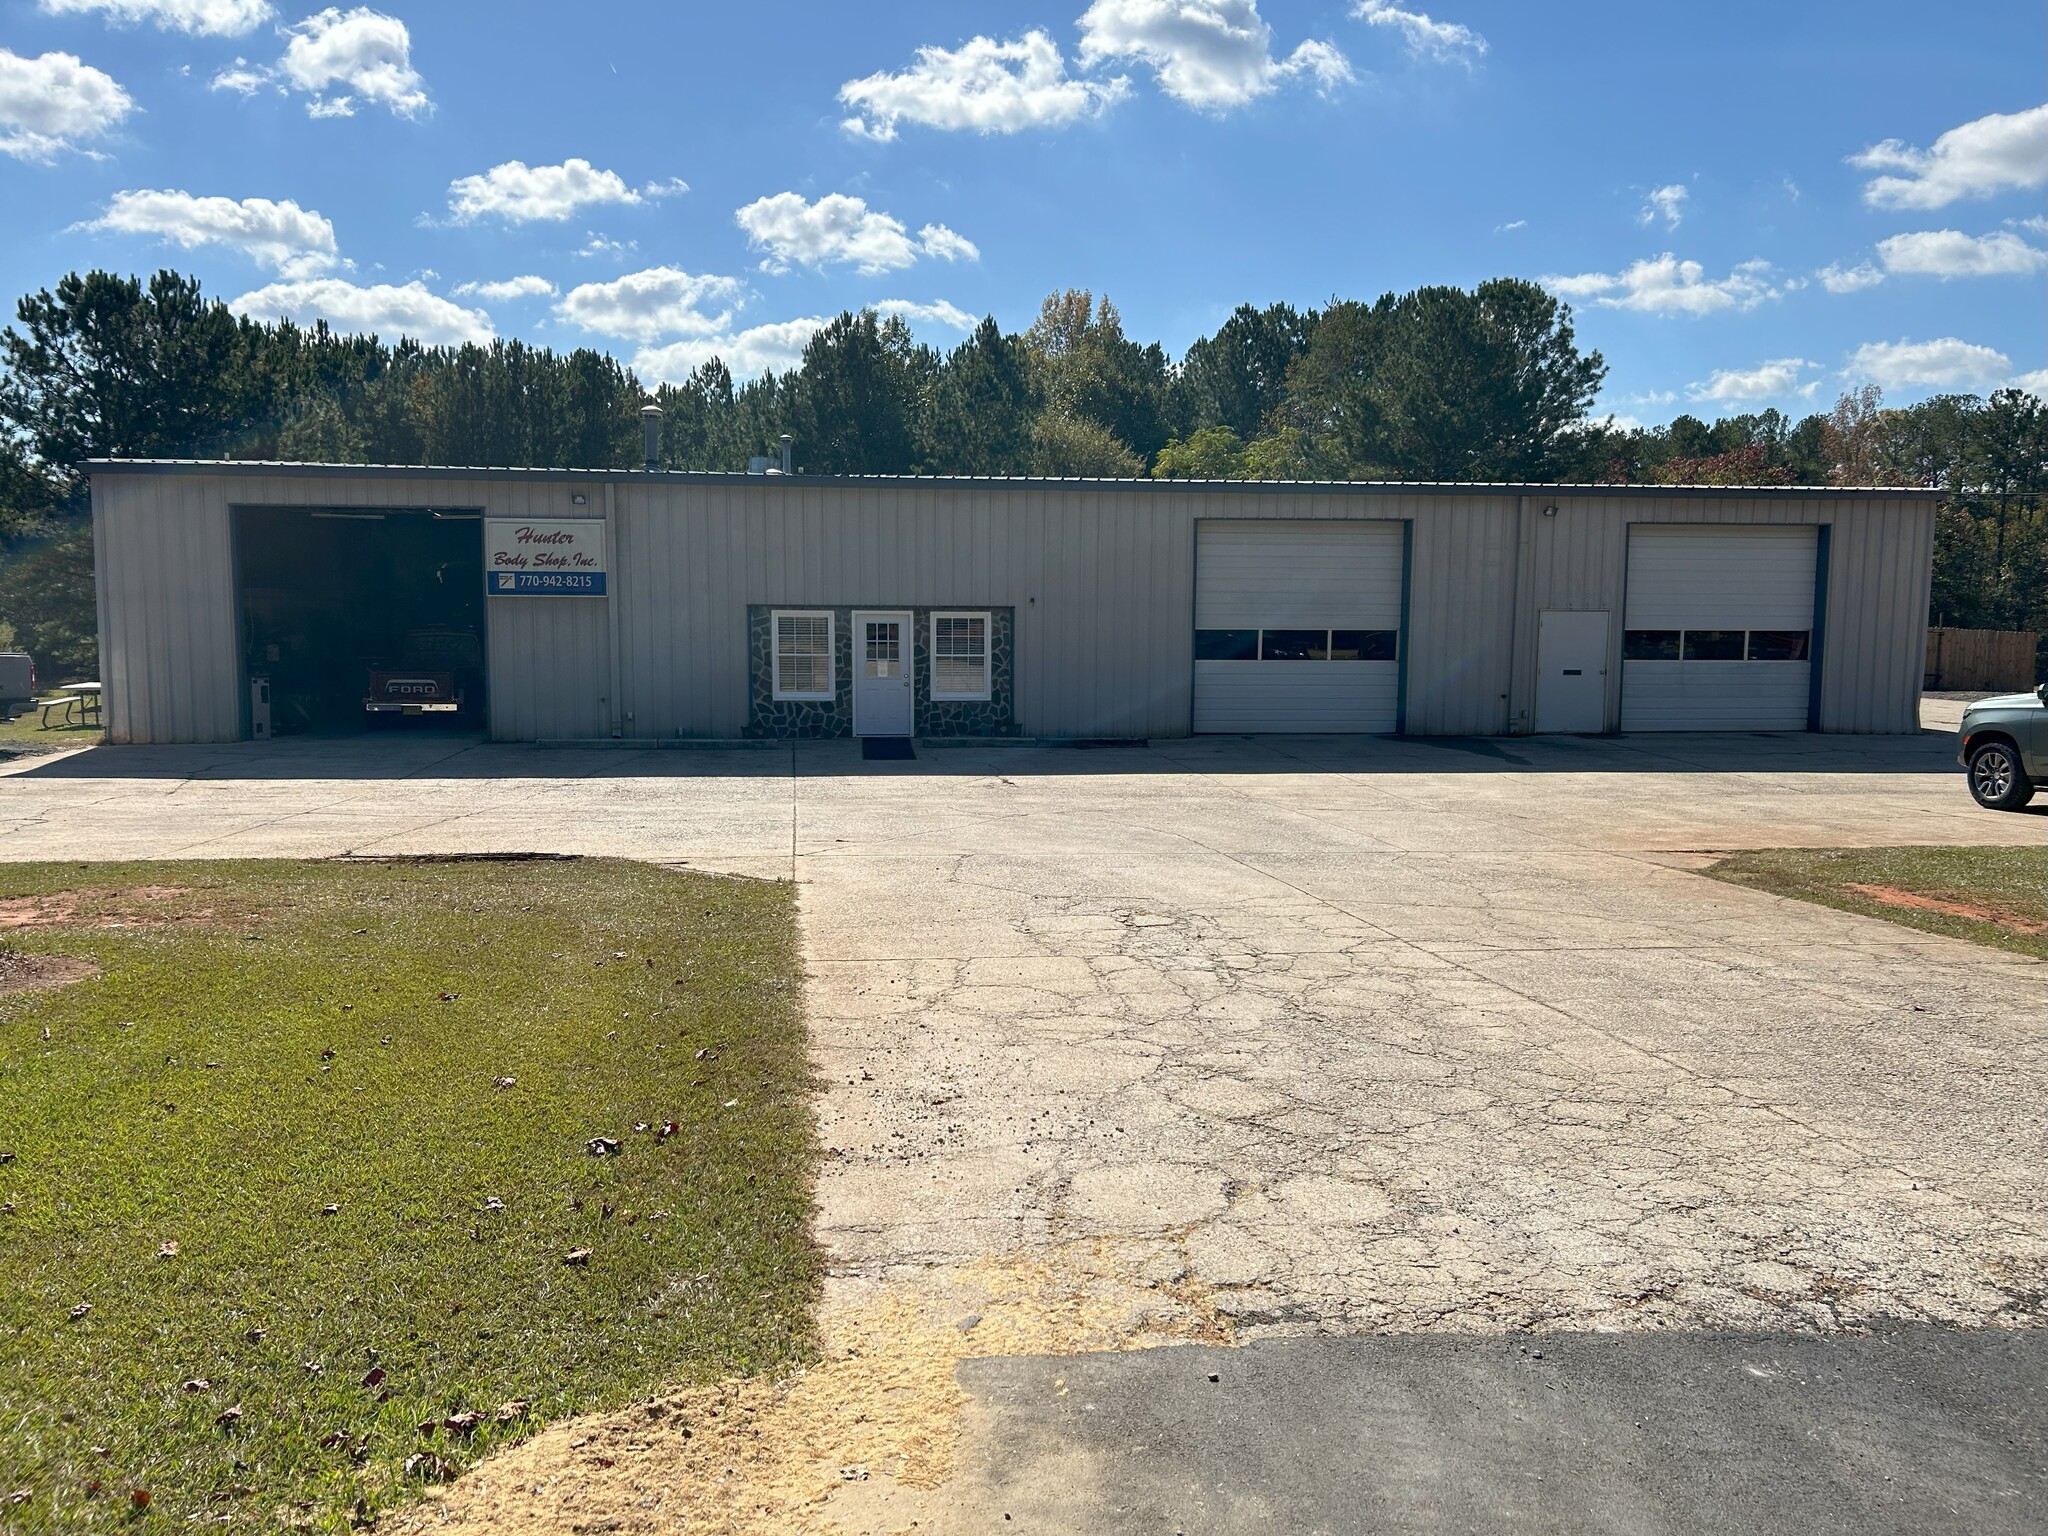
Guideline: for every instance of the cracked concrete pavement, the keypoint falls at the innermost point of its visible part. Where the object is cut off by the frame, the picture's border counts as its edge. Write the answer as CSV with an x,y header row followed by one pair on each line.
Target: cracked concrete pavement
x,y
1299,1036
1355,1033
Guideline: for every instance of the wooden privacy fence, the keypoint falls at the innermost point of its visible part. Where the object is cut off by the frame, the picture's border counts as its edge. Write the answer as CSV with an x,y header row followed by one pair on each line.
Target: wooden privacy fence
x,y
1969,660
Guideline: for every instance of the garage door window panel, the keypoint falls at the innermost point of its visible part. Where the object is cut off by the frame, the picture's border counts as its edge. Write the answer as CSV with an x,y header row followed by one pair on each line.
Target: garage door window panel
x,y
1780,644
1365,645
960,658
1713,645
1651,645
1226,645
1294,645
803,655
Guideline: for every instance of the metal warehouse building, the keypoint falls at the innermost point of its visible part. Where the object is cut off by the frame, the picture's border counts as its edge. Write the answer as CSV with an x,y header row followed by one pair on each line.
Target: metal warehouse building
x,y
237,598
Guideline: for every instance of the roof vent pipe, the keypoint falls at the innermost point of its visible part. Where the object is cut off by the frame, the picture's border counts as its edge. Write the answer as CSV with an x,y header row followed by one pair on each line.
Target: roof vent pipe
x,y
788,442
650,435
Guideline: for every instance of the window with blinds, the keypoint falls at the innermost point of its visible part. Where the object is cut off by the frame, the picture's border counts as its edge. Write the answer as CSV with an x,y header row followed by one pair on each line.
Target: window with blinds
x,y
960,667
803,656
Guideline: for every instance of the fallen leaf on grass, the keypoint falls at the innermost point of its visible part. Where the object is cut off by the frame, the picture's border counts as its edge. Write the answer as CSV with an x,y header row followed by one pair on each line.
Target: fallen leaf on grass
x,y
428,1467
375,1378
333,1440
20,1496
513,1409
602,1146
139,1498
197,1384
311,1367
330,1210
493,1203
168,1250
668,1128
504,1082
255,1335
463,1423
80,1310
327,1054
449,997
577,1256
227,1418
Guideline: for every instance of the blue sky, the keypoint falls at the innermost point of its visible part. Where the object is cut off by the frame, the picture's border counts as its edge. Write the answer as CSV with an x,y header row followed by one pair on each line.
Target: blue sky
x,y
1746,204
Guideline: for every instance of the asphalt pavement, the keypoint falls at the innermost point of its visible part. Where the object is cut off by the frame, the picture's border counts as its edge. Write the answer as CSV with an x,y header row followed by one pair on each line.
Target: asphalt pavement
x,y
1914,1432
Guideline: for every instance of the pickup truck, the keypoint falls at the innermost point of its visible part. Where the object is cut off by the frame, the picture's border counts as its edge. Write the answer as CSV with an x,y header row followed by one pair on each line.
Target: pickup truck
x,y
2003,743
436,672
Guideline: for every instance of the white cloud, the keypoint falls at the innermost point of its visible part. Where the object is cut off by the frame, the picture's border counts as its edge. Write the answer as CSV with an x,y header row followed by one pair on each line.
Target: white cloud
x,y
204,18
241,77
1210,54
938,312
675,186
1667,203
838,229
1947,363
1427,38
1510,226
294,241
50,102
387,309
645,306
947,244
1767,381
597,243
520,193
983,85
2035,383
362,52
772,348
508,288
1837,278
2002,152
1664,285
1951,253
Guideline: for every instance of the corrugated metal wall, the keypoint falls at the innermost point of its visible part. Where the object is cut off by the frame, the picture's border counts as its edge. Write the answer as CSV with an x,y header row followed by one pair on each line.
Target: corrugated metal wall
x,y
166,581
1102,581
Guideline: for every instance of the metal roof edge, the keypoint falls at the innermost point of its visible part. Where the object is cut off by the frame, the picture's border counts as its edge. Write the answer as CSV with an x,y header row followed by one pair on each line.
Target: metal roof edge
x,y
243,468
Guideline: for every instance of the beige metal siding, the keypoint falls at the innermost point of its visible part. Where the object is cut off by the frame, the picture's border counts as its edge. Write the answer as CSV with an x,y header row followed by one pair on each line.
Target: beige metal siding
x,y
169,656
1101,578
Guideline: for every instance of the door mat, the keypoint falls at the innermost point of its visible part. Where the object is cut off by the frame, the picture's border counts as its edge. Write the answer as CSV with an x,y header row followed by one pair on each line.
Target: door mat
x,y
886,749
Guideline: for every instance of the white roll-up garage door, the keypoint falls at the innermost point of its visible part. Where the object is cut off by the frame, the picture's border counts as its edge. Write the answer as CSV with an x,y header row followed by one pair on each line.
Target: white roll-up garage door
x,y
1298,626
1719,628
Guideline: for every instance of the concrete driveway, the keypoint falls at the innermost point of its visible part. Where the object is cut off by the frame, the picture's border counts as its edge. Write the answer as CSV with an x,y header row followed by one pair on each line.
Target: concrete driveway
x,y
1226,1039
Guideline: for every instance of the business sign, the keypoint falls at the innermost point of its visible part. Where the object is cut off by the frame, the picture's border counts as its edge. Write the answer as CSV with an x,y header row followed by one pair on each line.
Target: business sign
x,y
556,558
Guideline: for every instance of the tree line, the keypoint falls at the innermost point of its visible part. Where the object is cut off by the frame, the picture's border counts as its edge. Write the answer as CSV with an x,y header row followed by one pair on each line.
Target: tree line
x,y
1442,383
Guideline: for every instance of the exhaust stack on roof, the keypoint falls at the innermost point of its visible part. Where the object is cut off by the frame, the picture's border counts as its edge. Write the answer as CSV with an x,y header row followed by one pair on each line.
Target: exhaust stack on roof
x,y
650,435
788,442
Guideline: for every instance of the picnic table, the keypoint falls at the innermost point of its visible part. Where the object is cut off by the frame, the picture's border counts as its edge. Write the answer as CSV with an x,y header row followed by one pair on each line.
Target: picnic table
x,y
80,703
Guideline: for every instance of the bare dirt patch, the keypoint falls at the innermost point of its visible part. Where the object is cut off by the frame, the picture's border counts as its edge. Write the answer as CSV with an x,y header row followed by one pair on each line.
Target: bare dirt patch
x,y
139,906
1952,906
29,973
861,1436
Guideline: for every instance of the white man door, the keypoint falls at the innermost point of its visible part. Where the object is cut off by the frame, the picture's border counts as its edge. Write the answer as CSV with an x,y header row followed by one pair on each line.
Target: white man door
x,y
882,660
1571,671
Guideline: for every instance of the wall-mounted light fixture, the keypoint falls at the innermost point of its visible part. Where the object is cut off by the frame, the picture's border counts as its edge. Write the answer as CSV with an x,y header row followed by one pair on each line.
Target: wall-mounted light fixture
x,y
579,499
1551,510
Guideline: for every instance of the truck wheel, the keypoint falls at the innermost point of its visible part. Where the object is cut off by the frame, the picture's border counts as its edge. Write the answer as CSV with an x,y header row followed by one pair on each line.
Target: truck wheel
x,y
1997,781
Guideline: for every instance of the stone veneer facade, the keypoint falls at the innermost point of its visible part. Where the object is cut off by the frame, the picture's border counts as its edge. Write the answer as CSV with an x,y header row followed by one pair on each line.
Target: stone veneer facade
x,y
768,716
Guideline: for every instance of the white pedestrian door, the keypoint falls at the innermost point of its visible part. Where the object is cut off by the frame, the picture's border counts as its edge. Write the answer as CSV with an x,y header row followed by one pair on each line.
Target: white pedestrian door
x,y
881,674
1571,672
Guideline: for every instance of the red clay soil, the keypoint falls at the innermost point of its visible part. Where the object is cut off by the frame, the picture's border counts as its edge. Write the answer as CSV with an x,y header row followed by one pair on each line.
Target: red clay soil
x,y
1892,896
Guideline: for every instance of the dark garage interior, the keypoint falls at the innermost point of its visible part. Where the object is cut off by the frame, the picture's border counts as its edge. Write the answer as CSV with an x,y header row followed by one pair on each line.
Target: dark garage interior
x,y
340,608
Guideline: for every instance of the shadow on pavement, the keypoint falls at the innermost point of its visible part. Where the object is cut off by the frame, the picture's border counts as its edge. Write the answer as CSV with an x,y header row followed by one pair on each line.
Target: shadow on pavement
x,y
1908,1433
370,758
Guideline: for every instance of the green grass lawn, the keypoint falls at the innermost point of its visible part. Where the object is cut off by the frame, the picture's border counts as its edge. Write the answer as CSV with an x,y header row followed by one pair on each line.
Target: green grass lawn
x,y
2005,890
357,1097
